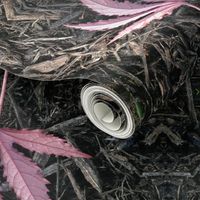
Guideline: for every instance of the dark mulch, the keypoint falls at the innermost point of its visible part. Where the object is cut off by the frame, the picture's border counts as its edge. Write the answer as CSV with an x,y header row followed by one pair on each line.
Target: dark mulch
x,y
161,161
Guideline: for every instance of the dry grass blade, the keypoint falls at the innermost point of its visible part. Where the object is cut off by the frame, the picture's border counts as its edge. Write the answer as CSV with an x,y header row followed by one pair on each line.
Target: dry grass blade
x,y
89,172
80,194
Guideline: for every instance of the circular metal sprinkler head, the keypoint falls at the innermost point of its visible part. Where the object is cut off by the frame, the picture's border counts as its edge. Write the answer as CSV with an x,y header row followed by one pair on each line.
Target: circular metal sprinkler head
x,y
107,111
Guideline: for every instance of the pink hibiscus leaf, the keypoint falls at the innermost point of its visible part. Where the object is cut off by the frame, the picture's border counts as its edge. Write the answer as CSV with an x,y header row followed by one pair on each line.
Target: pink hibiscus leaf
x,y
36,140
110,7
108,24
161,12
23,176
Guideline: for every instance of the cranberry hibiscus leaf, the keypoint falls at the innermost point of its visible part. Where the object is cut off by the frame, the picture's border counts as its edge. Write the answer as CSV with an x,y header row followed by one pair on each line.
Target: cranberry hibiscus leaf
x,y
24,176
141,13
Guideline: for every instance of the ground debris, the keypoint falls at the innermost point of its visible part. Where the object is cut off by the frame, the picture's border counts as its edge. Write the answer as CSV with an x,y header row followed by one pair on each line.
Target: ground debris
x,y
34,44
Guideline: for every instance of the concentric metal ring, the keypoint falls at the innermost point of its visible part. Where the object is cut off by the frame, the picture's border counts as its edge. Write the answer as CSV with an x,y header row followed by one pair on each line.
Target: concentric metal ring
x,y
107,111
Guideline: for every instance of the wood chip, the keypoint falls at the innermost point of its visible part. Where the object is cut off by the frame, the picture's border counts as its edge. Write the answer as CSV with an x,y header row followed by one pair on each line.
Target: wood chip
x,y
47,66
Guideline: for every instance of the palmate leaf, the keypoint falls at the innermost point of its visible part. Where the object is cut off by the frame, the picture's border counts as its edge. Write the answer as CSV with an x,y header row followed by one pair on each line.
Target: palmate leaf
x,y
110,7
35,140
146,20
23,175
141,13
113,23
110,23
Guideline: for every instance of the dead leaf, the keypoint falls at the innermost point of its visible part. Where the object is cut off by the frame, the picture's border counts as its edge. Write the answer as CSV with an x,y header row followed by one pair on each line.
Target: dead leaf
x,y
47,66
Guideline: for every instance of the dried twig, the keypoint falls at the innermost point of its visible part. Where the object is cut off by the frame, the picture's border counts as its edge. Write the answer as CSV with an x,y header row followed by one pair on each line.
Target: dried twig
x,y
191,106
79,192
90,172
3,90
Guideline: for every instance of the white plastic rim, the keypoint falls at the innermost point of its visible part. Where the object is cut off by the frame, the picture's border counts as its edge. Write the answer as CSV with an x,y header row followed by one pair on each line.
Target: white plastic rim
x,y
95,100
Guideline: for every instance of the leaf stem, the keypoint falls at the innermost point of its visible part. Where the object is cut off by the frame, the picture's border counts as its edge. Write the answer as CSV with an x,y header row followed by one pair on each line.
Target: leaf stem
x,y
192,6
3,90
